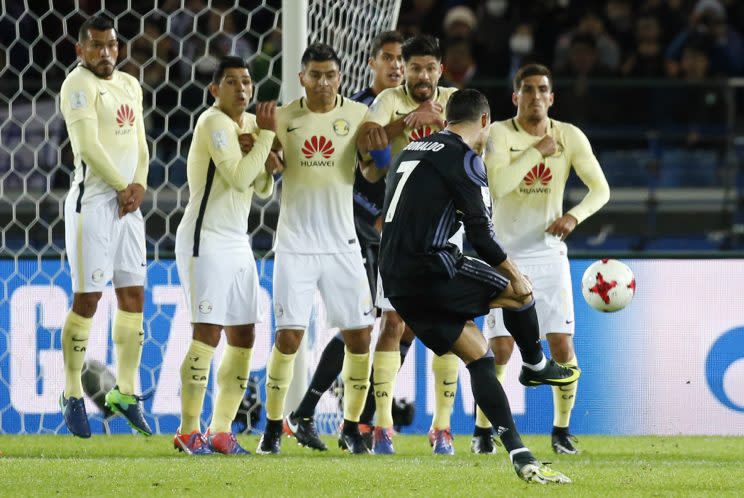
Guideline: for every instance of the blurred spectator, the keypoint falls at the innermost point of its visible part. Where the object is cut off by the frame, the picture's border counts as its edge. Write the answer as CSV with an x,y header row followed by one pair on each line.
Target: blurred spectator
x,y
420,16
620,24
459,22
725,44
606,48
521,48
578,102
492,35
698,107
459,64
582,59
646,59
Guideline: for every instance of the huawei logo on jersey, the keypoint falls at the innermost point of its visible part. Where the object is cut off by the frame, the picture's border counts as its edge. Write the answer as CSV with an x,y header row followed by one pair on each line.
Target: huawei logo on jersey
x,y
420,133
539,173
125,115
318,144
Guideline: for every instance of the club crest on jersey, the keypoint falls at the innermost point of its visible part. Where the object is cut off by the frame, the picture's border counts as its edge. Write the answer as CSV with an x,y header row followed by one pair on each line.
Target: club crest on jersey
x,y
78,100
219,139
420,133
317,149
125,116
536,180
341,127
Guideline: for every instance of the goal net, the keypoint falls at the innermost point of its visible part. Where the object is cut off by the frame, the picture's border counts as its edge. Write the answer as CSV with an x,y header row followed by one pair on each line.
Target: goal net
x,y
172,50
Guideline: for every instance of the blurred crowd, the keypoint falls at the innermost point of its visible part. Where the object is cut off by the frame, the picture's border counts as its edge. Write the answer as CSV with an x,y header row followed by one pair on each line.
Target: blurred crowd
x,y
602,54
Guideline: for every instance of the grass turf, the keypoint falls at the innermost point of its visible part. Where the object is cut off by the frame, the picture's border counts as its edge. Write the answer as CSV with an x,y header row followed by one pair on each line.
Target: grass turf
x,y
138,466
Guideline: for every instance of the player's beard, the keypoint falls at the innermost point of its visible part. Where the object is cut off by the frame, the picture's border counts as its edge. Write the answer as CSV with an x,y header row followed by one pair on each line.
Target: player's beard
x,y
418,97
103,70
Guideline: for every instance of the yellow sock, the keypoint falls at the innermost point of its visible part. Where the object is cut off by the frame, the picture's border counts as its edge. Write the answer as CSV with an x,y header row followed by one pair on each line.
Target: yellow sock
x,y
480,417
279,374
194,378
355,374
232,381
74,343
445,387
564,398
128,336
387,364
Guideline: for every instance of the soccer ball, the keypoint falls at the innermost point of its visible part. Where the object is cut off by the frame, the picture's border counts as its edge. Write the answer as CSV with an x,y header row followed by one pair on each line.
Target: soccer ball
x,y
608,285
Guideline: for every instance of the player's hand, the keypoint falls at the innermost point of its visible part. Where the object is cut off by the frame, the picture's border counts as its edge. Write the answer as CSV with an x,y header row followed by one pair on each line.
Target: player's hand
x,y
124,197
430,106
246,141
563,226
138,195
547,146
417,119
274,164
521,285
374,138
266,115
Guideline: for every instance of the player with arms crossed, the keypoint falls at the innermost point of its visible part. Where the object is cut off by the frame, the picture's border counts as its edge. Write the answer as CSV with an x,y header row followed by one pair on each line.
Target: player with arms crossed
x,y
528,163
386,63
432,186
104,228
316,245
214,257
407,113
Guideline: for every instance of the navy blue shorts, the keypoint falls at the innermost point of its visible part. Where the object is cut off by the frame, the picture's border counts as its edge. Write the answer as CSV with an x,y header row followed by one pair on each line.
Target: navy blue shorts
x,y
438,315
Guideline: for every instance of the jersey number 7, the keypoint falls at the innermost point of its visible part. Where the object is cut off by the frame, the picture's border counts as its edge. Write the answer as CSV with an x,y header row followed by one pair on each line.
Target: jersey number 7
x,y
405,168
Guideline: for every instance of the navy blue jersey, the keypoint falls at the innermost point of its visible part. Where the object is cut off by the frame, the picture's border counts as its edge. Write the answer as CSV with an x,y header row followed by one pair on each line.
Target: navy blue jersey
x,y
368,197
433,186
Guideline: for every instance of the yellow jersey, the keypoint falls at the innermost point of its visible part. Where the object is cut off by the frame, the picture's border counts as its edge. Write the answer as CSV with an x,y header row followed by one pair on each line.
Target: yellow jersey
x,y
316,214
527,189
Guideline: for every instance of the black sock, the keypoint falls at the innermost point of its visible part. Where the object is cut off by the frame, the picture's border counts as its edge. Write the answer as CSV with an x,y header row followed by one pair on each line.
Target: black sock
x,y
350,427
274,426
329,367
491,397
368,412
523,326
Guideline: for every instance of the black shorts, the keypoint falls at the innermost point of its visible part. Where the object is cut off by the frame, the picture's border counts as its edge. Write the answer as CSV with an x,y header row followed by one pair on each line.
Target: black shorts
x,y
438,316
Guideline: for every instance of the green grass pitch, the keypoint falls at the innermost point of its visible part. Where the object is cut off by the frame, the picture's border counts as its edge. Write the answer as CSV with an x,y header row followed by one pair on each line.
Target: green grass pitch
x,y
126,466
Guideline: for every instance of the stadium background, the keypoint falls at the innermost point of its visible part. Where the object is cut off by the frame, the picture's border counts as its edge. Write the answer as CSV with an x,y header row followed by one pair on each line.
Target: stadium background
x,y
655,85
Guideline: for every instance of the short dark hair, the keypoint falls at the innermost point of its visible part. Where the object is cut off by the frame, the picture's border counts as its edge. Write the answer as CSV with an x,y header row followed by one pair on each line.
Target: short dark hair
x,y
466,106
532,70
98,22
383,38
421,45
320,52
226,62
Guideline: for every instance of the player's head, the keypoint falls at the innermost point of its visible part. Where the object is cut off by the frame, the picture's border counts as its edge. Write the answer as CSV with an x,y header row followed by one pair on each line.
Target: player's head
x,y
98,45
386,59
321,74
533,92
423,59
468,110
231,85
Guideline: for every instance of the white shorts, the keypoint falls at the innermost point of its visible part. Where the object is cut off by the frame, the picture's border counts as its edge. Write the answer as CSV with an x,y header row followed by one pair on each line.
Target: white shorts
x,y
341,279
102,247
551,283
221,288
